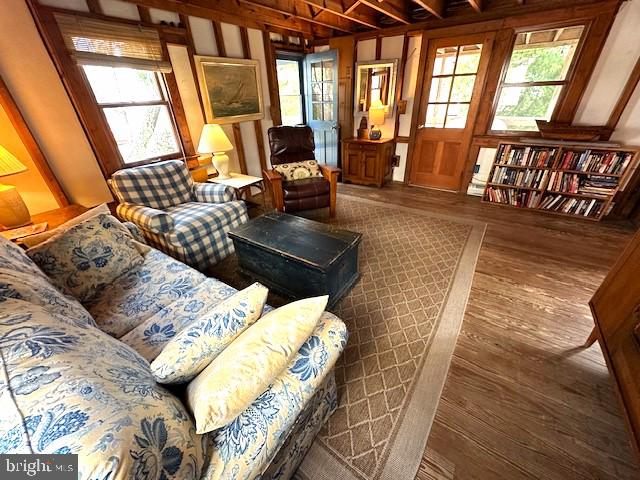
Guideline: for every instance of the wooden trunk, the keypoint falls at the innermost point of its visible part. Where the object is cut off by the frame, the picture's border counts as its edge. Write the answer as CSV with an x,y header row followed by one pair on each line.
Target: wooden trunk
x,y
298,257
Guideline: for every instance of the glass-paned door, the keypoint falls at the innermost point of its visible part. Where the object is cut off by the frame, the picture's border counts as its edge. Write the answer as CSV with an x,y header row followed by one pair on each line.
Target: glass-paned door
x,y
454,80
321,92
454,76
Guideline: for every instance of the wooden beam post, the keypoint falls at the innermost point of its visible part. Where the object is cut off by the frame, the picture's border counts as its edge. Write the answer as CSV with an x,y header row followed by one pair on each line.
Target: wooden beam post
x,y
22,129
257,124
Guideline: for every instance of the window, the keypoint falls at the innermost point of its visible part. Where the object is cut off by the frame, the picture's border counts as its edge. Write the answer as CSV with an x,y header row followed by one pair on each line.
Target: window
x,y
135,104
454,76
290,90
537,73
322,86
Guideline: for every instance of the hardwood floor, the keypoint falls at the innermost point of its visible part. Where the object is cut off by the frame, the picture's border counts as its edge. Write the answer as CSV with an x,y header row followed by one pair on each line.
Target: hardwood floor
x,y
523,400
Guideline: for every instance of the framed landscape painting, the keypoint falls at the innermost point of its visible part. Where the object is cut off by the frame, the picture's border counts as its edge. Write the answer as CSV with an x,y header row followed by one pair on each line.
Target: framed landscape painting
x,y
231,90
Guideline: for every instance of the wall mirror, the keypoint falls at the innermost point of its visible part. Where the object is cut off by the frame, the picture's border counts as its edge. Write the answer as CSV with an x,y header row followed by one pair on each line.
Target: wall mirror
x,y
375,81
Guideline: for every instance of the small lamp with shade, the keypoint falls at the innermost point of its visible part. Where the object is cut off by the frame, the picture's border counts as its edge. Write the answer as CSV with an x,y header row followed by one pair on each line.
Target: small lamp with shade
x,y
213,140
376,117
13,211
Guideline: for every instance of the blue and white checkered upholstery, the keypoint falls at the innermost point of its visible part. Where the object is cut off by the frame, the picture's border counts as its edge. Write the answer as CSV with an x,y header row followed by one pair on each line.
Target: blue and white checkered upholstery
x,y
200,231
213,193
152,219
192,230
158,185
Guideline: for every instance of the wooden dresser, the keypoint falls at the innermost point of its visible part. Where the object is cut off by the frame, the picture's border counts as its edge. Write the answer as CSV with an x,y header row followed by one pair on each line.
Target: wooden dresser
x,y
367,162
616,311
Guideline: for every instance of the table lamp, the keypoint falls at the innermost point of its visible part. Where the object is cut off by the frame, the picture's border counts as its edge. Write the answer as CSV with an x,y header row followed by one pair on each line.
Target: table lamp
x,y
376,117
213,140
13,211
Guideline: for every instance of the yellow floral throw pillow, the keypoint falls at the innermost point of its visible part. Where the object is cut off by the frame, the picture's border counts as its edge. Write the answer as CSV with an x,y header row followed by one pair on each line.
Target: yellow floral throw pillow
x,y
298,170
246,368
189,352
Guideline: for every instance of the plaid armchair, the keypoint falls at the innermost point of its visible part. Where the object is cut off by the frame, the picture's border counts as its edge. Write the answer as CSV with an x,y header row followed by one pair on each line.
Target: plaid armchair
x,y
186,220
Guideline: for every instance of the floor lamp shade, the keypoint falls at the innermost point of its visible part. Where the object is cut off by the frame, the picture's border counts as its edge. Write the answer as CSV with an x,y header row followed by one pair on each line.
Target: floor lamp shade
x,y
214,140
13,211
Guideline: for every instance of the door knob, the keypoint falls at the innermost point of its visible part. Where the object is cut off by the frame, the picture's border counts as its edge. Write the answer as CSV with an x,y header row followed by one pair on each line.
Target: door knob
x,y
420,127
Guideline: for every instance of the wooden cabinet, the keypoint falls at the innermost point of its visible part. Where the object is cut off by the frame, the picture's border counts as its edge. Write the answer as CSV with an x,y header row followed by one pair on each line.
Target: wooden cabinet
x,y
367,162
616,311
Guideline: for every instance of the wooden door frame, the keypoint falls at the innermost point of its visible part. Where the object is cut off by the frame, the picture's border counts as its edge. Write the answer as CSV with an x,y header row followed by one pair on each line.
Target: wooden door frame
x,y
487,39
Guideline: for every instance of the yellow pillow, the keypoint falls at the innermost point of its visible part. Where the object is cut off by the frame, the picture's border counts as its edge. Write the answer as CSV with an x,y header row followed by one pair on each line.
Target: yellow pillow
x,y
189,352
243,370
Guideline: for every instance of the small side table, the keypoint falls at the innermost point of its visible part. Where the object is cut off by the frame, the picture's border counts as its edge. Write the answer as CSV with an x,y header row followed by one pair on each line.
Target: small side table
x,y
50,219
57,217
242,184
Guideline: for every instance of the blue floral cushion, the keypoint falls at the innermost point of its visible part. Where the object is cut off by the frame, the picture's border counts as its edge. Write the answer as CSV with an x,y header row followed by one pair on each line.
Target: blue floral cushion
x,y
21,279
188,353
87,257
74,389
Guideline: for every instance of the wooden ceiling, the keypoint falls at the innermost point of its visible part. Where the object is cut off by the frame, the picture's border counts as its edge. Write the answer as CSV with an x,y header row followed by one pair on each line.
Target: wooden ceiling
x,y
323,19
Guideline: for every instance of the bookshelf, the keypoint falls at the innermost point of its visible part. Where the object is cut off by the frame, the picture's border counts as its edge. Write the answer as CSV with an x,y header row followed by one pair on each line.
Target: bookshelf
x,y
571,179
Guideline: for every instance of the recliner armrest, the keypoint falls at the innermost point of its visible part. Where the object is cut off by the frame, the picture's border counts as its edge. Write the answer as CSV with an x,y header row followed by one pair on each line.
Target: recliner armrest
x,y
146,218
274,179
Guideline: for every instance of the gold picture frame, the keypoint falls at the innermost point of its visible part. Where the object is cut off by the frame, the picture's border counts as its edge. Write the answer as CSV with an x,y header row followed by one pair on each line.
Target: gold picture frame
x,y
231,89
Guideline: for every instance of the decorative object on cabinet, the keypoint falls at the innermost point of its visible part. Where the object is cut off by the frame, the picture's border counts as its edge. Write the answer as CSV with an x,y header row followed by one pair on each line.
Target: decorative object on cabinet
x,y
375,81
363,129
231,90
564,178
616,312
13,211
213,140
376,117
295,144
367,162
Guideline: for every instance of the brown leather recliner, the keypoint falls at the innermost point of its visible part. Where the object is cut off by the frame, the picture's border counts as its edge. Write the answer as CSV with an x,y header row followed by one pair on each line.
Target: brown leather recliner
x,y
295,144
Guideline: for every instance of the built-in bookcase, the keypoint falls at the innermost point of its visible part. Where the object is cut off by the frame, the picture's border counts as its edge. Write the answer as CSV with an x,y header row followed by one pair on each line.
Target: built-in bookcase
x,y
578,180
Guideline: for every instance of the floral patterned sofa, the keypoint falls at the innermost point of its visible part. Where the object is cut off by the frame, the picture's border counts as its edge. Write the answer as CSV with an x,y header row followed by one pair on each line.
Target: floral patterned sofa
x,y
68,387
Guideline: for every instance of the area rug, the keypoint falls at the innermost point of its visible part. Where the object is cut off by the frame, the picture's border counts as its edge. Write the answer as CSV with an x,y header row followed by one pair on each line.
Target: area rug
x,y
403,317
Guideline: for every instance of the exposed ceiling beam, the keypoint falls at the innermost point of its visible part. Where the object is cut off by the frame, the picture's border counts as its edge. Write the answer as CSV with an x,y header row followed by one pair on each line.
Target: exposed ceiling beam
x,y
395,10
336,8
251,16
436,7
354,4
288,9
477,5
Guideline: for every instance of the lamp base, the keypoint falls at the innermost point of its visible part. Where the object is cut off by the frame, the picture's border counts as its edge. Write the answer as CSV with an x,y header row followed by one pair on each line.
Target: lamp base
x,y
221,162
375,133
13,212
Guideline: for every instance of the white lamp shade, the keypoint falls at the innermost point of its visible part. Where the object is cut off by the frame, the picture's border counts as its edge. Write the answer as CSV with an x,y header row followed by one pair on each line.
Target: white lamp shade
x,y
376,115
9,164
213,139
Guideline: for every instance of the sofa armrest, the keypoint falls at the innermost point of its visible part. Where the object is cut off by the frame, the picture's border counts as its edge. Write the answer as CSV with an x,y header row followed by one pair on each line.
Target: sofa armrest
x,y
274,179
213,193
136,233
146,218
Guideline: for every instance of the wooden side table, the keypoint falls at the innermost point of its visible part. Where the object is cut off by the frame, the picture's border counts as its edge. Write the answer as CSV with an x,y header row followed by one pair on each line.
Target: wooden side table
x,y
52,219
242,184
57,217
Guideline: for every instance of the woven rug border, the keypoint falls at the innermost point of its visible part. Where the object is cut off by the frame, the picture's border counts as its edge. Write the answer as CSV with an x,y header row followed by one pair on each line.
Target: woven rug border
x,y
405,454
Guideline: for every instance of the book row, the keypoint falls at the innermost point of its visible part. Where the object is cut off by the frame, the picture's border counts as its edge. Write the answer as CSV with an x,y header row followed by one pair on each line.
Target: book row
x,y
526,156
590,185
576,206
516,198
613,163
520,178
